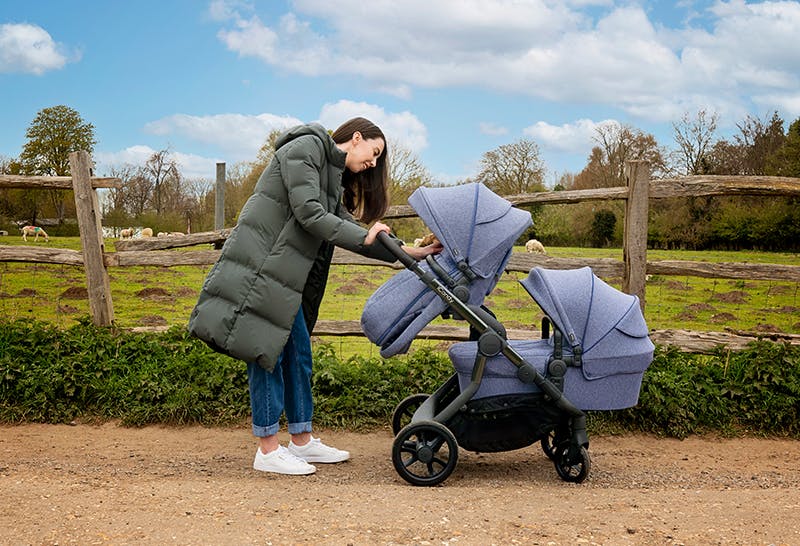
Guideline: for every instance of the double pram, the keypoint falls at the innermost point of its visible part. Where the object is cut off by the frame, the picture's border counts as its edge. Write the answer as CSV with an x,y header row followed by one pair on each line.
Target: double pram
x,y
504,394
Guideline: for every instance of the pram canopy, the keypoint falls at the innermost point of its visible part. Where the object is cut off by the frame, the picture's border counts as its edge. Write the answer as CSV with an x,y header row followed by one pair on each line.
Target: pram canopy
x,y
477,229
607,325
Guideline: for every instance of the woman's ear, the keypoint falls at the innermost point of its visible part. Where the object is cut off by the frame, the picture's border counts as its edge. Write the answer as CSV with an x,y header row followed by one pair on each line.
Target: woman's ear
x,y
356,138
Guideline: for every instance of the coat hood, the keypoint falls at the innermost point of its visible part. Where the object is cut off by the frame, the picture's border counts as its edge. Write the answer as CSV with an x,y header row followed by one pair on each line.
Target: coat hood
x,y
332,152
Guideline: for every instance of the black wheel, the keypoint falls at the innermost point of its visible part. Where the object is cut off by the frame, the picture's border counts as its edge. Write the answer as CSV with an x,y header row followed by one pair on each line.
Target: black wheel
x,y
405,411
425,453
572,465
552,439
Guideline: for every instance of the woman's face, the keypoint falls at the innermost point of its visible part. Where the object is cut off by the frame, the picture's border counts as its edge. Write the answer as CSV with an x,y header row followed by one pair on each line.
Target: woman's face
x,y
363,154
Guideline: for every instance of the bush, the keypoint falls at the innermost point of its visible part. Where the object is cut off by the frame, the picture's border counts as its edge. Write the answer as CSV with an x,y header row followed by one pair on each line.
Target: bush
x,y
49,375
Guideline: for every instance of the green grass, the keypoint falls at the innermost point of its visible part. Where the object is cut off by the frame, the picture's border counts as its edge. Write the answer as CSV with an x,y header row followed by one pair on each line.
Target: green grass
x,y
160,296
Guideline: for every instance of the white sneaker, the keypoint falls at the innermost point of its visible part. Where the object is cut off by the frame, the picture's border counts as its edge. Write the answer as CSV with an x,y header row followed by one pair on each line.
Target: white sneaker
x,y
282,461
317,452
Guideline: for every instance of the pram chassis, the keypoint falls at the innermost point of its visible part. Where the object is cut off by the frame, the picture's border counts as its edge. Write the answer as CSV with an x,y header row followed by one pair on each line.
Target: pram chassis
x,y
425,451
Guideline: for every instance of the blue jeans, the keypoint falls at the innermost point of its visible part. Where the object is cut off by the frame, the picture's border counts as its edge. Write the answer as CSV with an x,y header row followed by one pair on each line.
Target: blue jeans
x,y
287,388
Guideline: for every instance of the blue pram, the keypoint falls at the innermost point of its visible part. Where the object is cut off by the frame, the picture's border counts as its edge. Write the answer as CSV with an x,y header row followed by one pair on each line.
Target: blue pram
x,y
508,394
478,229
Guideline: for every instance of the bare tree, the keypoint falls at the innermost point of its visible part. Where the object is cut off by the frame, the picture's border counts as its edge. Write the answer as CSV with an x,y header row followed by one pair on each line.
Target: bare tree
x,y
162,172
694,138
618,144
406,173
513,168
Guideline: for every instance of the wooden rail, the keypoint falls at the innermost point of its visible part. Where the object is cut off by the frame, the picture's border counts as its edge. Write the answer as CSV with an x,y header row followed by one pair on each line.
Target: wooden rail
x,y
633,269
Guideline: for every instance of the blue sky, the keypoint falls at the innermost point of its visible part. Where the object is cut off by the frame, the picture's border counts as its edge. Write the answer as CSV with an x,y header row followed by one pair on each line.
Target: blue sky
x,y
448,79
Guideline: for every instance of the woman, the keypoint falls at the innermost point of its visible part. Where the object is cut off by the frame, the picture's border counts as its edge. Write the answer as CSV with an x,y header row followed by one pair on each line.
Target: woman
x,y
261,298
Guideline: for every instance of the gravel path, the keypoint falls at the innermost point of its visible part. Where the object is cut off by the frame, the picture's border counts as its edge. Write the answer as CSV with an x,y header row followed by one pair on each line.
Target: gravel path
x,y
107,484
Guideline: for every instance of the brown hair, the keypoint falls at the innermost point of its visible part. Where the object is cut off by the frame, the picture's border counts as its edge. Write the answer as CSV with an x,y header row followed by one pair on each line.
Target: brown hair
x,y
366,193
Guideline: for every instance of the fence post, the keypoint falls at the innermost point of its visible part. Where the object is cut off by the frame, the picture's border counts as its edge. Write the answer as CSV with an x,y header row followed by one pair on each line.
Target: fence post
x,y
634,248
91,232
219,198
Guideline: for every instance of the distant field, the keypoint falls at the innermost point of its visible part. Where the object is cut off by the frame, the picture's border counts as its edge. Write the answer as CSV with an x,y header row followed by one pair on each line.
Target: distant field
x,y
160,296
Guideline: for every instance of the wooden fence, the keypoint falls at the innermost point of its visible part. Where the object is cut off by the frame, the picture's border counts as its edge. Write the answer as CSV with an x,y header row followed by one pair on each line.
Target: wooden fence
x,y
633,269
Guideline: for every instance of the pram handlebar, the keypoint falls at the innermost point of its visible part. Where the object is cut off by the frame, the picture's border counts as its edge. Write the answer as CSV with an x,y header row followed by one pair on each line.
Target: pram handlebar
x,y
395,247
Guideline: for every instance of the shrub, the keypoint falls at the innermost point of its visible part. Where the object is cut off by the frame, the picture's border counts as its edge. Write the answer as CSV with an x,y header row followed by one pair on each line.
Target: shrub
x,y
85,372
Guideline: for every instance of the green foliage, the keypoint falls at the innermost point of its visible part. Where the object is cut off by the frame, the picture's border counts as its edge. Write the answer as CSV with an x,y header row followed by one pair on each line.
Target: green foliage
x,y
755,391
603,224
363,392
52,136
51,375
54,376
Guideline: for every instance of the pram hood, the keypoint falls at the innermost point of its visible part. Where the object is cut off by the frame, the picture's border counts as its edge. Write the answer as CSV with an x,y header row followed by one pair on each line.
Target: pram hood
x,y
472,222
607,325
477,229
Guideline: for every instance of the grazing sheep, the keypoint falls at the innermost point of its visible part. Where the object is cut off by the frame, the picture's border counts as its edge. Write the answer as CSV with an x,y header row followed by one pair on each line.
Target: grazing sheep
x,y
535,246
126,233
34,230
147,232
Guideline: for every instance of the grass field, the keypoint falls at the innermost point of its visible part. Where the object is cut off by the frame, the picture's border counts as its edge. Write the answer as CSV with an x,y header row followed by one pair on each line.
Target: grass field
x,y
161,296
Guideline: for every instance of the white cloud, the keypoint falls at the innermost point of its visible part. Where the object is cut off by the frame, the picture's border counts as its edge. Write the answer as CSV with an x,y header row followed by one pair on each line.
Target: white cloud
x,y
192,166
30,49
225,10
575,137
238,135
580,51
492,129
403,127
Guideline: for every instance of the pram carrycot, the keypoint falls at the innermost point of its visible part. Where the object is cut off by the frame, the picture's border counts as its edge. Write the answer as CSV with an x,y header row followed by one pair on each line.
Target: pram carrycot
x,y
598,322
510,394
477,229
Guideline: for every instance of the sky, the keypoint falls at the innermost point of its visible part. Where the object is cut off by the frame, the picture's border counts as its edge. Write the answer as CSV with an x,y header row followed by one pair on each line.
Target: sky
x,y
449,80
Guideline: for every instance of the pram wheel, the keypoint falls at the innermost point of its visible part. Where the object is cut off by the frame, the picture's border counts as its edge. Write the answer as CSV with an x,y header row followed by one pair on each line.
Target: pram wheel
x,y
572,466
405,411
551,440
425,453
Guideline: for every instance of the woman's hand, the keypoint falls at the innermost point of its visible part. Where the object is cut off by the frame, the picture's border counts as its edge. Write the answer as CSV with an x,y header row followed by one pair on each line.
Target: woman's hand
x,y
419,253
372,234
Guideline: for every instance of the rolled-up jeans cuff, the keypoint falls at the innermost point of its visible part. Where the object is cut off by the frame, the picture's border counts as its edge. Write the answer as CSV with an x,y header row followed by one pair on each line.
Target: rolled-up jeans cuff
x,y
268,430
299,428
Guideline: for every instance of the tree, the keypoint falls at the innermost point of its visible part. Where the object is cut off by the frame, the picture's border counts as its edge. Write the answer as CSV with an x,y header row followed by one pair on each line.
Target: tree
x,y
694,138
406,173
52,136
785,161
162,172
603,225
618,144
750,150
513,168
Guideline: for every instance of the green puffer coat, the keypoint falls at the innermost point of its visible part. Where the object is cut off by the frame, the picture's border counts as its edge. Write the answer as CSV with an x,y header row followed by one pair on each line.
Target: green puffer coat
x,y
278,255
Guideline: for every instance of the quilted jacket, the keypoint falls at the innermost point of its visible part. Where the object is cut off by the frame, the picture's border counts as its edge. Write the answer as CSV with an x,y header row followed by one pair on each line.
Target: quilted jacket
x,y
278,255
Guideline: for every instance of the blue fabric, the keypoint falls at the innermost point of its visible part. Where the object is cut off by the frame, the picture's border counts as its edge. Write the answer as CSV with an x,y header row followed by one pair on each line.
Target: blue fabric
x,y
475,226
286,388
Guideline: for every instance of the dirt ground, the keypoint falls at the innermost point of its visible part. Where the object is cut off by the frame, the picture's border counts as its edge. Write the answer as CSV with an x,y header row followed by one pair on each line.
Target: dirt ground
x,y
107,484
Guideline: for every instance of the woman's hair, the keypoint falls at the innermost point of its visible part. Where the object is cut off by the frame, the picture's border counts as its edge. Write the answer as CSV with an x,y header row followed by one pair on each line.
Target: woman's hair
x,y
366,193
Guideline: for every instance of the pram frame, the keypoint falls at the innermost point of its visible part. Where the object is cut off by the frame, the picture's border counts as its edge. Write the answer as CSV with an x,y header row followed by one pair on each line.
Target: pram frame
x,y
439,408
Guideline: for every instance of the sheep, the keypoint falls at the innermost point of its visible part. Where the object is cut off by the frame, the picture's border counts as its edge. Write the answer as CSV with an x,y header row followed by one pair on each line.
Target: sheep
x,y
535,246
162,234
126,233
147,232
34,230
175,234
